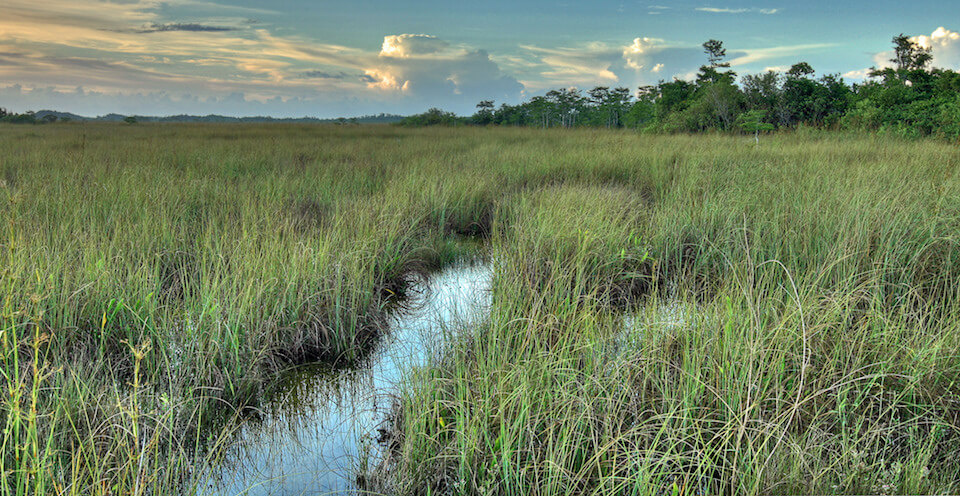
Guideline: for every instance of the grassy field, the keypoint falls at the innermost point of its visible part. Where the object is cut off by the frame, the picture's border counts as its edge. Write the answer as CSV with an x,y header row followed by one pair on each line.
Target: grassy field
x,y
794,307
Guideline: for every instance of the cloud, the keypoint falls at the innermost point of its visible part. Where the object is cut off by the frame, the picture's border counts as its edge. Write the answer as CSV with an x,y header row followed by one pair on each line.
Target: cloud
x,y
753,55
777,68
424,68
643,61
638,54
944,45
201,5
54,70
130,47
716,10
234,53
408,45
649,60
179,26
591,63
411,71
859,74
323,75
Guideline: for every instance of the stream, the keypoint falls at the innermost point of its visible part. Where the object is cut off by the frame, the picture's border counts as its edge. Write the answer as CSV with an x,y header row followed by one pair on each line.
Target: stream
x,y
314,432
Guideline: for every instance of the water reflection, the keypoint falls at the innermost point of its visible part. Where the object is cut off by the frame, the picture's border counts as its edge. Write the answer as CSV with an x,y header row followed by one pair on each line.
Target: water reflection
x,y
314,431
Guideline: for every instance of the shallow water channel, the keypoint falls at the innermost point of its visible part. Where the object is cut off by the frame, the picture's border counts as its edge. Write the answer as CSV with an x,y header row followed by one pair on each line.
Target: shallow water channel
x,y
316,429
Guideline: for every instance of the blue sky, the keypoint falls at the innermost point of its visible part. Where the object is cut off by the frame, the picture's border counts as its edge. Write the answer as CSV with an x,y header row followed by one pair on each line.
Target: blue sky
x,y
327,58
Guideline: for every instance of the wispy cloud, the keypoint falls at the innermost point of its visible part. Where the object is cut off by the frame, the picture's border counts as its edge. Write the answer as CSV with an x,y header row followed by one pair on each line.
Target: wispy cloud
x,y
751,55
857,74
717,10
218,7
66,71
590,63
180,26
643,61
324,75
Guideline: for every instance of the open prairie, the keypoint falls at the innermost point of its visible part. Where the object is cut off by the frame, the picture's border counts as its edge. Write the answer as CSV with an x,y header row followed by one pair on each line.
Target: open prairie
x,y
668,314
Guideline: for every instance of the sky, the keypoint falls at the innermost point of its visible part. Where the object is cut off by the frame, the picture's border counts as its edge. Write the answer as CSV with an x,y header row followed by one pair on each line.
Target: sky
x,y
325,58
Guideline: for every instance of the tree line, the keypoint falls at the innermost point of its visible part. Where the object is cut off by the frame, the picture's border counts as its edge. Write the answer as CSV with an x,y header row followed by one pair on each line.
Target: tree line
x,y
28,117
910,98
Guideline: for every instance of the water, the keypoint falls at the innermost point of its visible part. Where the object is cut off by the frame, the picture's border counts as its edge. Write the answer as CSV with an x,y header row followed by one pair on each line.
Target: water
x,y
314,431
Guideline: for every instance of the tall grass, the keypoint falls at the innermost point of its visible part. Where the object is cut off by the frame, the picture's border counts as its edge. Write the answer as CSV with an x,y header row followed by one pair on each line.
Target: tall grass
x,y
815,350
156,277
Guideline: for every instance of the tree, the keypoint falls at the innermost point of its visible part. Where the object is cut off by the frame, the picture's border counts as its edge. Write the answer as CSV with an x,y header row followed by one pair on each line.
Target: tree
x,y
484,113
800,70
647,93
512,115
432,117
751,122
673,96
600,99
835,98
910,58
567,102
723,101
130,119
620,101
608,105
801,95
3,112
715,53
909,55
540,110
718,100
763,91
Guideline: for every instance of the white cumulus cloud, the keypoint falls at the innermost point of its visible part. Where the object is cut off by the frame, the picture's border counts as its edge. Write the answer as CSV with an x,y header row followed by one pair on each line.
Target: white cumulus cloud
x,y
640,53
427,68
944,45
407,45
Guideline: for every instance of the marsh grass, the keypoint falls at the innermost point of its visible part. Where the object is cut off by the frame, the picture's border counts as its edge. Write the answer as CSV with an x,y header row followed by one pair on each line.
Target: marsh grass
x,y
156,278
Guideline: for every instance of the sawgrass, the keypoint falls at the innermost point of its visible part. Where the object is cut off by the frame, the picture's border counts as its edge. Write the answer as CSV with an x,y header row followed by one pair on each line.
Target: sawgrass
x,y
793,306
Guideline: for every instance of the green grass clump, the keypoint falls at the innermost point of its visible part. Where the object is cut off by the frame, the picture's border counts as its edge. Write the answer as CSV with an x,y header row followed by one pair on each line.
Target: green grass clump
x,y
671,314
563,245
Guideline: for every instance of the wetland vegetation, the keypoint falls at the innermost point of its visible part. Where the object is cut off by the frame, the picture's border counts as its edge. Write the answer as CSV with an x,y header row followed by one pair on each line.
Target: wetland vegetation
x,y
793,307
